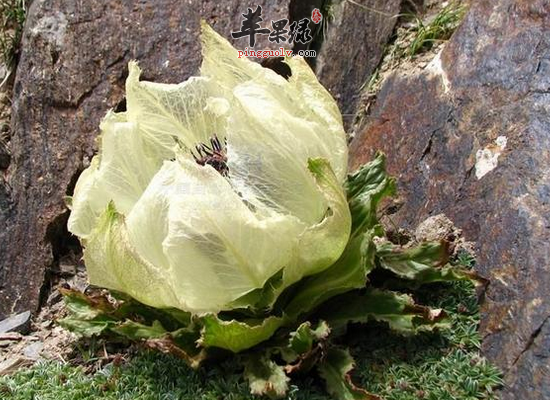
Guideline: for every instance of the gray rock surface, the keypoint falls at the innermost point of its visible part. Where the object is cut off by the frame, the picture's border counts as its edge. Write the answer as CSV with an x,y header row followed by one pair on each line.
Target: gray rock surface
x,y
16,323
33,350
469,138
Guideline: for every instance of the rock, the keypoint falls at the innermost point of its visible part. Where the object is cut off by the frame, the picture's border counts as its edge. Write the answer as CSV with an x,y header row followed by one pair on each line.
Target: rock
x,y
353,48
66,269
4,71
11,365
436,228
491,81
440,228
11,336
33,350
54,297
16,323
72,69
5,205
4,155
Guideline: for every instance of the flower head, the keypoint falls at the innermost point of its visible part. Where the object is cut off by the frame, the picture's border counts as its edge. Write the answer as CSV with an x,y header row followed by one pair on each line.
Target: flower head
x,y
203,191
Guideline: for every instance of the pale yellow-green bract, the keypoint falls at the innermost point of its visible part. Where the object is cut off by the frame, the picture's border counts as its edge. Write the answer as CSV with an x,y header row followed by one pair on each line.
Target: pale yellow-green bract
x,y
172,233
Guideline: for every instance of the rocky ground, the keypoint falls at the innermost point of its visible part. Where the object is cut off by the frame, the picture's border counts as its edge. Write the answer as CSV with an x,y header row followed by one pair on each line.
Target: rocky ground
x,y
464,123
31,339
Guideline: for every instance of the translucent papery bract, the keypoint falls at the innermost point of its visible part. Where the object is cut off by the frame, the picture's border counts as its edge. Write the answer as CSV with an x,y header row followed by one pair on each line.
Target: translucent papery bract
x,y
200,239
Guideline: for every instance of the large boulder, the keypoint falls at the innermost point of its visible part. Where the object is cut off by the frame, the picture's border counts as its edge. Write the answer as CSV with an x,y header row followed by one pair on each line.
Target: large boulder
x,y
72,70
470,137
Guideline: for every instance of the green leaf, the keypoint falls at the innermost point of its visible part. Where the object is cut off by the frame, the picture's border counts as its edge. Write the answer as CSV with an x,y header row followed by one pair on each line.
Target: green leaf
x,y
349,272
322,244
335,369
118,306
301,347
136,331
119,173
113,262
302,339
424,263
261,299
365,188
80,306
87,328
265,377
398,310
236,335
87,315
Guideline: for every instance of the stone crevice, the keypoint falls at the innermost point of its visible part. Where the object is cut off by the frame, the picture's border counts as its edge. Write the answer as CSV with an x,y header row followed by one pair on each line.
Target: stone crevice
x,y
531,340
67,104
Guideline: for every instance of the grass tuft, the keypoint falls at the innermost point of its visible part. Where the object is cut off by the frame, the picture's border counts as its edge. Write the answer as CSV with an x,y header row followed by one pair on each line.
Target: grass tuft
x,y
440,28
12,19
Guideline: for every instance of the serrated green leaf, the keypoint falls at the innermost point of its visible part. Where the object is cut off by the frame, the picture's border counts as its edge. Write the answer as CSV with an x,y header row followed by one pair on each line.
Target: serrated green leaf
x,y
302,339
118,306
301,343
237,335
349,272
398,310
265,377
365,188
424,263
335,369
79,306
87,328
136,331
87,316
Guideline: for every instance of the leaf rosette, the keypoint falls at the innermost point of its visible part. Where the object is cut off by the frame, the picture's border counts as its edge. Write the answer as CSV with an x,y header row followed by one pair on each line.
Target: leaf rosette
x,y
220,216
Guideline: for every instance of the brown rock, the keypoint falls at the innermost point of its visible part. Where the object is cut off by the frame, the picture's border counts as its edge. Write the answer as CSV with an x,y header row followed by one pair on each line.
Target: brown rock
x,y
353,48
72,70
469,138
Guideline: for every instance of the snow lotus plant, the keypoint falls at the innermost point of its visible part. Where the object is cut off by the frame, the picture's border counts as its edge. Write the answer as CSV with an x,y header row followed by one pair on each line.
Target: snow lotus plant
x,y
220,216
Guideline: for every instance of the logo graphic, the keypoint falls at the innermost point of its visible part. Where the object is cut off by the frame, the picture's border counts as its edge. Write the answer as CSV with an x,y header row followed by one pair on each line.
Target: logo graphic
x,y
251,26
316,16
297,32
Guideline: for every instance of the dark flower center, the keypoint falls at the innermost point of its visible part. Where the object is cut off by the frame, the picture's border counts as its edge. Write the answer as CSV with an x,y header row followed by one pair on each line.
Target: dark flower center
x,y
213,154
